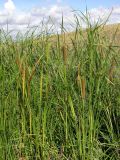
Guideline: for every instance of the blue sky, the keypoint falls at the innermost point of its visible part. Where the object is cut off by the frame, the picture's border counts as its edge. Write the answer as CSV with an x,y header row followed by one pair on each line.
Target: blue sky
x,y
76,4
19,13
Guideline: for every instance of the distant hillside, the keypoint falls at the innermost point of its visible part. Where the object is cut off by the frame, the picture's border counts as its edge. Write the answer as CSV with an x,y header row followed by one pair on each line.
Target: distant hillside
x,y
111,32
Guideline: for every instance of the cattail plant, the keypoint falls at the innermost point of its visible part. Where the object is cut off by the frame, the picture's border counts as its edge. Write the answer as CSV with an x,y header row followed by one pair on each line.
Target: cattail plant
x,y
32,74
52,112
22,71
83,85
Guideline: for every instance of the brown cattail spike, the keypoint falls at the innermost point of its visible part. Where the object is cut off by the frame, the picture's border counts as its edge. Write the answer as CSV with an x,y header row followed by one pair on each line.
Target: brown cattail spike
x,y
83,85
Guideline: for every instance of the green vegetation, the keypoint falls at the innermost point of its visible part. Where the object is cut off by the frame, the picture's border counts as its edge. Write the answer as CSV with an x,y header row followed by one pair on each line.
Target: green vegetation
x,y
60,102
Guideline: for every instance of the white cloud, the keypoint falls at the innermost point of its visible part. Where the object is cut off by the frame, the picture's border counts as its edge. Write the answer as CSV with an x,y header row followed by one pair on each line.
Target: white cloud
x,y
9,6
55,12
103,13
19,20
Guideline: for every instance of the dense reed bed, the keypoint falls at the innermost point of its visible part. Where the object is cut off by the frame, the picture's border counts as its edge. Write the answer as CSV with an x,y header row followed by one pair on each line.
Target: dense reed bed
x,y
60,101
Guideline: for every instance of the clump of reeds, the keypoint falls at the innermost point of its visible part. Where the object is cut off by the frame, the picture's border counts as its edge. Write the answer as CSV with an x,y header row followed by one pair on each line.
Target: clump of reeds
x,y
24,74
65,115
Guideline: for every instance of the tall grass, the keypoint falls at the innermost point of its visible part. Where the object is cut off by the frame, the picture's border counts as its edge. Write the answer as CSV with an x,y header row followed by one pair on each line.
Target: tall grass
x,y
57,100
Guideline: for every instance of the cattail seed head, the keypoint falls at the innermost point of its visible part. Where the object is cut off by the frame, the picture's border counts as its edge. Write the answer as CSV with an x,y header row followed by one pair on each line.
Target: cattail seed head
x,y
83,85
